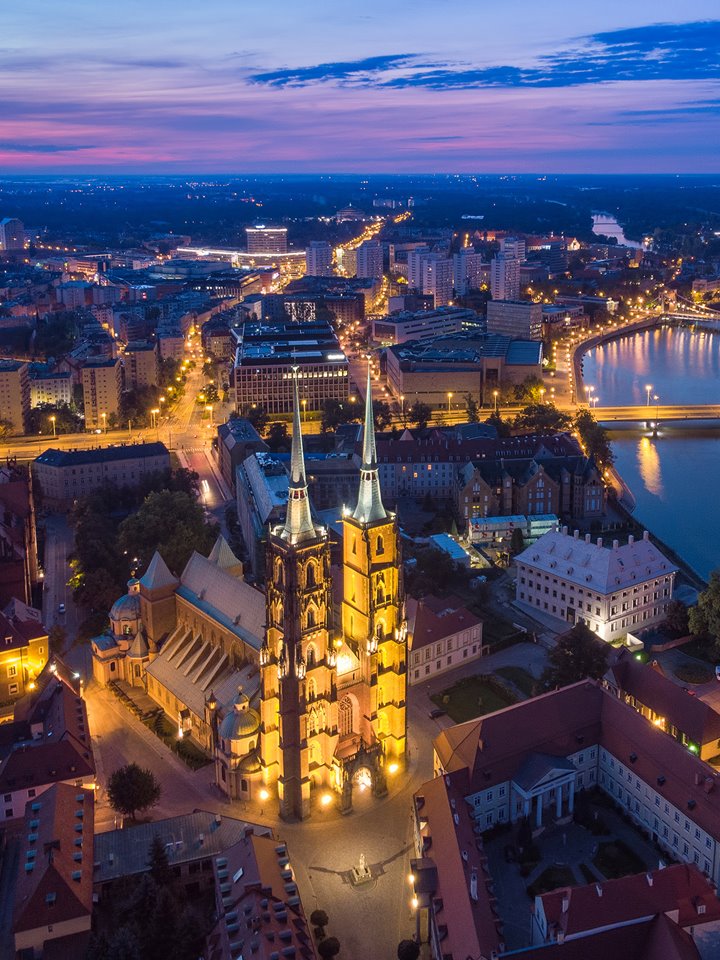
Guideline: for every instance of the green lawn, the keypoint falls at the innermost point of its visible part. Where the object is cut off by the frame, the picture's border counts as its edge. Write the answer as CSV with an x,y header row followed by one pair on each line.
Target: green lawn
x,y
694,673
615,859
471,697
701,650
524,681
550,879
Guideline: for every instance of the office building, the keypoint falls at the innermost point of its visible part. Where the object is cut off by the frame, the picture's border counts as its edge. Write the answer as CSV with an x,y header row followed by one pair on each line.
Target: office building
x,y
437,280
505,278
319,259
468,271
15,394
102,388
520,319
261,239
400,327
613,590
66,475
12,234
267,355
513,247
370,260
458,364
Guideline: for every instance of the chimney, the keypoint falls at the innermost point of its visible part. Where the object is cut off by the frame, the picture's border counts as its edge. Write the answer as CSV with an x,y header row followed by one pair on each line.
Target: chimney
x,y
599,541
598,889
649,878
576,534
588,538
646,534
631,540
616,544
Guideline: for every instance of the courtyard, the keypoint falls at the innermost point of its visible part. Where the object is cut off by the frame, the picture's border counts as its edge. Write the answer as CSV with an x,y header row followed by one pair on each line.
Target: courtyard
x,y
564,854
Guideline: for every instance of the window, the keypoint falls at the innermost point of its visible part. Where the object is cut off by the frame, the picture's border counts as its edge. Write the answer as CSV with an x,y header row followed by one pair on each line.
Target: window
x,y
12,670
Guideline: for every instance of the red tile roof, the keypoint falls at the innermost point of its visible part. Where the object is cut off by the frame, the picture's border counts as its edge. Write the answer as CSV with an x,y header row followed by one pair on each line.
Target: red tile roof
x,y
656,939
681,888
437,618
58,843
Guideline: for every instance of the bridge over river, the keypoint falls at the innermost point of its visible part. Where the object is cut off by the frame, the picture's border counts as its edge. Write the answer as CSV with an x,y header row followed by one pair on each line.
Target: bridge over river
x,y
657,414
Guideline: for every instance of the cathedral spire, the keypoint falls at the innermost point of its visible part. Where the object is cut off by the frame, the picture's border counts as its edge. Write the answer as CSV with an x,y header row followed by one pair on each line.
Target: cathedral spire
x,y
298,521
369,506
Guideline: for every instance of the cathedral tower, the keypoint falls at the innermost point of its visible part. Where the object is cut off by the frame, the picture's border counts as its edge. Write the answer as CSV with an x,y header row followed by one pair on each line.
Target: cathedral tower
x,y
373,617
298,709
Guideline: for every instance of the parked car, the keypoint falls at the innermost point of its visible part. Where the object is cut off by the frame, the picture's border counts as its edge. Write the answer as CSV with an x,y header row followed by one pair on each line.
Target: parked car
x,y
437,712
61,608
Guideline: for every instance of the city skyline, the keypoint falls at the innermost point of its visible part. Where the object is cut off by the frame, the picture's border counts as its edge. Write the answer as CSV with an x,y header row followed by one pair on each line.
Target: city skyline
x,y
219,89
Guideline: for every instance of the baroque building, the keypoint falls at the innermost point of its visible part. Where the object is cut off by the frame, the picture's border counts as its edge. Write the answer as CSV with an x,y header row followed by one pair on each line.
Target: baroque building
x,y
286,697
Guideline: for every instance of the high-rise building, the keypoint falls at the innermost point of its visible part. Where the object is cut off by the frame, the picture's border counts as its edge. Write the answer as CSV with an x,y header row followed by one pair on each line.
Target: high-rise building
x,y
142,367
332,711
415,260
102,388
318,259
513,247
505,278
437,280
520,319
12,234
370,260
467,271
261,239
15,394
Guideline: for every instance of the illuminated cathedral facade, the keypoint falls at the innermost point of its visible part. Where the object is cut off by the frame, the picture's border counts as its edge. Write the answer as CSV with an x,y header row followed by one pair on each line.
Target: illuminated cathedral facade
x,y
332,705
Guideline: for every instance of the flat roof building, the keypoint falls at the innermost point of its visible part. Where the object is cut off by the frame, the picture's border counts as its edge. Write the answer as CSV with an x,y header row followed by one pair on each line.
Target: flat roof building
x,y
261,239
406,325
142,366
102,388
267,355
515,318
15,394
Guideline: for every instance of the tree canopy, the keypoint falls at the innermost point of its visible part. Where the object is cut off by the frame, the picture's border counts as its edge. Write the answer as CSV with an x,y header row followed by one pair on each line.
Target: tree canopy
x,y
577,654
705,617
131,789
542,418
170,521
419,413
473,415
594,438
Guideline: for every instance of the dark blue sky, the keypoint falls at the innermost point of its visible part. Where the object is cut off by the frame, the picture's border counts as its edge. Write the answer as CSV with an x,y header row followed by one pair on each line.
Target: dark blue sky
x,y
309,85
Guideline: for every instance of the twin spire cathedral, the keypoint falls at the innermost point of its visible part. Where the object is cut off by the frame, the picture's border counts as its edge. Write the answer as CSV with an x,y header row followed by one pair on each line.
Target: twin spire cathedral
x,y
333,690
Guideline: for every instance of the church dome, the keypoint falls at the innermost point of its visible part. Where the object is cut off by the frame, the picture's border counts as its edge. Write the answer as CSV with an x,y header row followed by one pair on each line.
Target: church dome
x,y
126,608
241,722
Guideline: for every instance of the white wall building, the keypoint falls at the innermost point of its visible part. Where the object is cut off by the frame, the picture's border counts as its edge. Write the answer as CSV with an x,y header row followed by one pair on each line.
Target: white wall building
x,y
612,590
437,280
467,270
318,259
370,260
505,278
53,388
515,318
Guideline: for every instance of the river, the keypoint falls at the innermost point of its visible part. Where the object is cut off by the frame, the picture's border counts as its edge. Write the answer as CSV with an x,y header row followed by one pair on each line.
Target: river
x,y
674,476
605,225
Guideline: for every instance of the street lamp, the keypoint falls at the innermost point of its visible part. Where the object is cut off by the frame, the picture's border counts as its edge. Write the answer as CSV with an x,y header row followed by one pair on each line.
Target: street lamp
x,y
656,398
210,411
450,396
52,421
154,414
648,388
495,395
304,406
402,407
104,419
542,394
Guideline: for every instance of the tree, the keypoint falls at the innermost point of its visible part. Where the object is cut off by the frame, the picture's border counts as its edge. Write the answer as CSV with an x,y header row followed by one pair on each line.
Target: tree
x,y
542,418
502,426
258,417
419,414
319,920
171,522
382,414
473,416
529,390
131,789
329,948
705,617
56,638
594,438
517,541
335,413
676,619
278,438
124,945
6,429
408,950
577,654
160,869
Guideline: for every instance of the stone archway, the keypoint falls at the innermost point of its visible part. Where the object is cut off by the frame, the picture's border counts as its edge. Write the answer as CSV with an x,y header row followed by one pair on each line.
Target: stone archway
x,y
364,765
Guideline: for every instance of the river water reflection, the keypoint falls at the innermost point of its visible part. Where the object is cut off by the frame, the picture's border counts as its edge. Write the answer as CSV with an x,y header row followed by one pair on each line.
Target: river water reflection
x,y
675,476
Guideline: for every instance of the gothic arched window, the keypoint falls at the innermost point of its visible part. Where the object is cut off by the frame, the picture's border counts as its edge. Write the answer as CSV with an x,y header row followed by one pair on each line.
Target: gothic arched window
x,y
380,546
310,580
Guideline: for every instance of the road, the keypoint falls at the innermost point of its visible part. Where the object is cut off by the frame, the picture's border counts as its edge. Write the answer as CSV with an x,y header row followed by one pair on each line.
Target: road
x,y
58,546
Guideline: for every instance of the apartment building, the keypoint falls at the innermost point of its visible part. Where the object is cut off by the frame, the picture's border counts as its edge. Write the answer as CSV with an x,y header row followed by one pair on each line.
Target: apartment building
x,y
15,394
102,388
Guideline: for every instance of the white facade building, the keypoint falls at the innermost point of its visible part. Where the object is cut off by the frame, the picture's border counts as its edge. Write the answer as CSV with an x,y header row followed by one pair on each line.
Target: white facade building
x,y
318,259
370,260
54,388
612,590
467,270
437,280
505,278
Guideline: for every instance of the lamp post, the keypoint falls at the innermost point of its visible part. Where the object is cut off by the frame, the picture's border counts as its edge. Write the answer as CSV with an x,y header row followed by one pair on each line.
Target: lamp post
x,y
648,388
495,397
52,421
656,398
402,407
104,420
154,413
304,406
450,396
